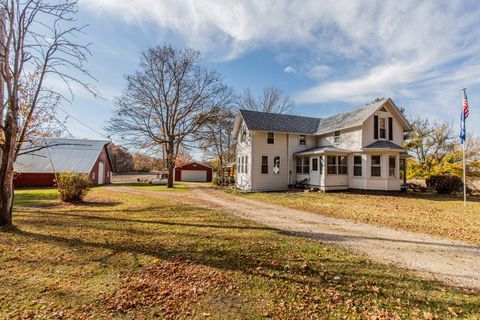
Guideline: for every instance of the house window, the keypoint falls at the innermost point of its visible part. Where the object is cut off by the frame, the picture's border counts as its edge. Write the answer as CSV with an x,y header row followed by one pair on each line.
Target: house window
x,y
382,128
336,137
302,140
357,166
246,164
376,166
331,165
303,165
391,166
270,138
244,135
276,165
238,165
342,165
265,164
315,164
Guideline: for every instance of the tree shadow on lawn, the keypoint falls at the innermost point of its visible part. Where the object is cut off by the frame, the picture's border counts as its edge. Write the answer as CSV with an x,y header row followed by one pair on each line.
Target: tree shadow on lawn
x,y
265,261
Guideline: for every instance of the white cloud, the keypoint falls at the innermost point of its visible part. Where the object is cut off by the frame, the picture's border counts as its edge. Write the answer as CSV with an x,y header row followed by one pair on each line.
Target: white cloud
x,y
357,49
289,69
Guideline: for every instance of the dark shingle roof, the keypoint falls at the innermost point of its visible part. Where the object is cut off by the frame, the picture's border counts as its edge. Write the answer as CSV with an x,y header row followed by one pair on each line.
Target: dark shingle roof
x,y
265,121
348,119
321,150
381,144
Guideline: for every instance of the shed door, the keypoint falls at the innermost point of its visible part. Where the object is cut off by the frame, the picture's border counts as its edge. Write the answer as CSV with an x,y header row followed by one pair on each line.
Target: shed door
x,y
101,173
194,175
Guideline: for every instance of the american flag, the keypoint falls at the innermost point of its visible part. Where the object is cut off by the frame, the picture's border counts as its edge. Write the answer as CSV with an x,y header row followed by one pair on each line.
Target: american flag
x,y
463,116
465,105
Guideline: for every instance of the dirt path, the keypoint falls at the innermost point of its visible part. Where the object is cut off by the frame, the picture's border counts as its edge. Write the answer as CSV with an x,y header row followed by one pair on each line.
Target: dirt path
x,y
446,260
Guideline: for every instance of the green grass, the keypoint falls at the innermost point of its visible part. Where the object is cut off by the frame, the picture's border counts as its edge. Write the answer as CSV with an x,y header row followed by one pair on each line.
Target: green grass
x,y
177,186
131,256
438,215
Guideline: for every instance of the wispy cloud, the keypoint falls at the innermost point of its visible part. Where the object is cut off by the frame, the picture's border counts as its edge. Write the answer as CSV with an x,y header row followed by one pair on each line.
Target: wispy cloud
x,y
289,69
358,49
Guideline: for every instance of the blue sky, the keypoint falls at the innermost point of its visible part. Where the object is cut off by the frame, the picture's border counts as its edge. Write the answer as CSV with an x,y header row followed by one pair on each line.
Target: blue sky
x,y
329,56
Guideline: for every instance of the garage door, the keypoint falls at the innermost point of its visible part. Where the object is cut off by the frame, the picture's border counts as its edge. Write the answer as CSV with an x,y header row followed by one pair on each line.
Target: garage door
x,y
194,175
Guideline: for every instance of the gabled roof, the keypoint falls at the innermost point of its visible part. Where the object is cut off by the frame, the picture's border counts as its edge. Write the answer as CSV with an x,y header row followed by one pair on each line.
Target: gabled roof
x,y
383,144
61,155
263,121
349,119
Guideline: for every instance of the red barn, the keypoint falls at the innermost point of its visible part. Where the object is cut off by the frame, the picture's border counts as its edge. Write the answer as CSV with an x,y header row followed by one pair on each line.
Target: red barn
x,y
194,171
38,168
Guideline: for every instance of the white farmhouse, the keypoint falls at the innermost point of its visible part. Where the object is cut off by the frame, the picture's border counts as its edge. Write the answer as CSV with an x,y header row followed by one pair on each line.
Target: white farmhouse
x,y
360,149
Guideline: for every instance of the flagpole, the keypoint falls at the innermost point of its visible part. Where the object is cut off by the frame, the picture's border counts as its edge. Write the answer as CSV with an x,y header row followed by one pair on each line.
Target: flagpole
x,y
463,156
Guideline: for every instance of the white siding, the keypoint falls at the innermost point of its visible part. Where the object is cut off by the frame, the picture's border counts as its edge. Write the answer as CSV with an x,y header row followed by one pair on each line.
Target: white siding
x,y
350,139
295,146
269,181
367,136
243,181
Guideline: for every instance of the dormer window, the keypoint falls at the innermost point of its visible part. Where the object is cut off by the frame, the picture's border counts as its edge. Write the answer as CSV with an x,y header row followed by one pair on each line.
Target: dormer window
x,y
270,138
336,137
302,140
382,124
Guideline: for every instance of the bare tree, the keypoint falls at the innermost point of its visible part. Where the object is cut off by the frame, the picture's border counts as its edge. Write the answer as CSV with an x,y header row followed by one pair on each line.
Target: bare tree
x,y
167,101
37,38
216,138
271,100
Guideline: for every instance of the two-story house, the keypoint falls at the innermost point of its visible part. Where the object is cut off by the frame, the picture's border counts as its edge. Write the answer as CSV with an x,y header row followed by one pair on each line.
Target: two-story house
x,y
359,149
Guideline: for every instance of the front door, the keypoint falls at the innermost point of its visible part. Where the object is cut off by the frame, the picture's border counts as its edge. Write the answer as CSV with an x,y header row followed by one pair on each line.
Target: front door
x,y
314,171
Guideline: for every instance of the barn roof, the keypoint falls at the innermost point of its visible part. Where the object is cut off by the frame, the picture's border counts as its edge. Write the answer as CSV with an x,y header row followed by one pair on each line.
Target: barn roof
x,y
61,155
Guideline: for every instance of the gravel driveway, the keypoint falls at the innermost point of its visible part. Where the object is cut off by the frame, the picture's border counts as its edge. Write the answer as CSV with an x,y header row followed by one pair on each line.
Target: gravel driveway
x,y
450,261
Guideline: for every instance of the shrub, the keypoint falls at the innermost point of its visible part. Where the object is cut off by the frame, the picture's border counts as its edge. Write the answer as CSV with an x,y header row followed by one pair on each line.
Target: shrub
x,y
445,184
73,186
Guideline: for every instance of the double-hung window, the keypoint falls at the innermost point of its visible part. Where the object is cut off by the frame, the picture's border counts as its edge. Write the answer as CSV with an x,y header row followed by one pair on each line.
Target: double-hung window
x,y
303,165
357,166
302,140
376,166
342,165
246,164
265,164
270,138
382,124
336,137
392,166
331,165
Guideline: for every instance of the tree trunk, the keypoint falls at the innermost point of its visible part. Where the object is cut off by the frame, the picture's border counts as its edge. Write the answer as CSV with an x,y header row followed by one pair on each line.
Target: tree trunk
x,y
6,186
171,173
170,164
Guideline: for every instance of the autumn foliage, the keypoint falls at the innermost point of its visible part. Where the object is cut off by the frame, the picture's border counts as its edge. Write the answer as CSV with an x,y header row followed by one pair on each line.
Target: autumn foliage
x,y
73,186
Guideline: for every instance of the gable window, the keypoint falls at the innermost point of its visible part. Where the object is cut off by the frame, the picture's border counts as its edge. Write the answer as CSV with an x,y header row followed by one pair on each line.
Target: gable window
x,y
270,138
336,137
392,165
382,124
342,165
357,166
276,165
331,165
303,165
302,140
376,166
265,164
315,164
244,135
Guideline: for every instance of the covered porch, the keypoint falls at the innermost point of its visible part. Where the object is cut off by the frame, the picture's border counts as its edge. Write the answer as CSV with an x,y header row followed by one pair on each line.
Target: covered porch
x,y
323,167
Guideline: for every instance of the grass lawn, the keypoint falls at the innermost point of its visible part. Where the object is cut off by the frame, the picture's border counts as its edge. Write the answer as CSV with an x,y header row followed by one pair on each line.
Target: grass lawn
x,y
177,186
131,256
439,215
